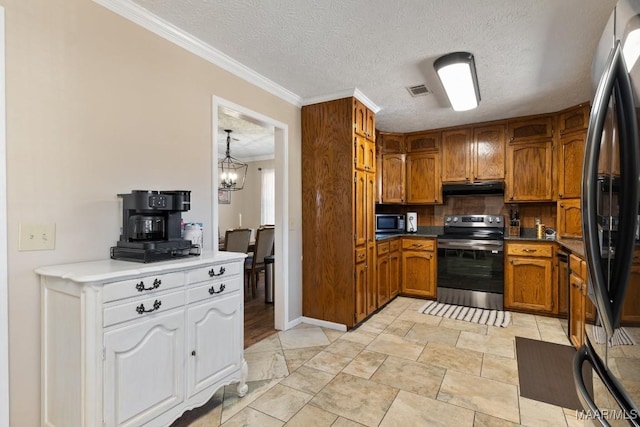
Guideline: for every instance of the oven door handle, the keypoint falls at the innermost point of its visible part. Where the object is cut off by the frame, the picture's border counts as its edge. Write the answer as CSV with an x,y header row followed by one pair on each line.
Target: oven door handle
x,y
475,245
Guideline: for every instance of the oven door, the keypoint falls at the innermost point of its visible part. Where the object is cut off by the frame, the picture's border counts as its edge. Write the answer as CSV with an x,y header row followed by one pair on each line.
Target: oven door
x,y
471,273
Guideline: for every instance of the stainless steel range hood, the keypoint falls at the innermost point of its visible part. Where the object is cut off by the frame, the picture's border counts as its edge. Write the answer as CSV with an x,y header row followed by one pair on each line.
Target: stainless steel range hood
x,y
473,188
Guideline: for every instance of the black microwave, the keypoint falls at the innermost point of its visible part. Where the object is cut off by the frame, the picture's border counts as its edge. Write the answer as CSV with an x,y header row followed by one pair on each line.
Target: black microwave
x,y
389,223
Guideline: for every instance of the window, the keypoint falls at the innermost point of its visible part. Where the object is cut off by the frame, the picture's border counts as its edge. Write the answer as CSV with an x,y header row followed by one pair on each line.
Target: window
x,y
268,197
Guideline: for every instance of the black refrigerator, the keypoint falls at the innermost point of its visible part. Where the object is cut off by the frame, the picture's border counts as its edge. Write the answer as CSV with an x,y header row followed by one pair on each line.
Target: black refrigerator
x,y
609,207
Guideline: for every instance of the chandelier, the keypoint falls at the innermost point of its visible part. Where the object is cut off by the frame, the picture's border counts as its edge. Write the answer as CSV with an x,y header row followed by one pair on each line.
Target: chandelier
x,y
232,172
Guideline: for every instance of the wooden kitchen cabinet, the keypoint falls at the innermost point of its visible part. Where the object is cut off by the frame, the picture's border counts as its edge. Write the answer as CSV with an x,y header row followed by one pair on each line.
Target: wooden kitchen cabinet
x,y
382,272
393,178
527,129
395,267
425,141
390,143
419,267
125,348
569,221
423,178
338,198
631,307
473,154
570,158
574,118
365,154
529,277
579,302
529,172
365,120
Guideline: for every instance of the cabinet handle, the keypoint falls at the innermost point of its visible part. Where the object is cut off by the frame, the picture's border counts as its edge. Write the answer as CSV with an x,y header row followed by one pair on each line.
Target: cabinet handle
x,y
212,290
156,284
527,250
361,255
212,272
193,353
156,306
560,195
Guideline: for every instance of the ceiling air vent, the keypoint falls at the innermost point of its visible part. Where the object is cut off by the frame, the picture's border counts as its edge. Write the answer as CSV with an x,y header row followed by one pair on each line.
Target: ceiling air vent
x,y
418,90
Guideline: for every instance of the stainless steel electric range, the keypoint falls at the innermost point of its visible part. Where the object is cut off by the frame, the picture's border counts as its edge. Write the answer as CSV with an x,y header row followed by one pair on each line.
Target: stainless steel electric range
x,y
471,261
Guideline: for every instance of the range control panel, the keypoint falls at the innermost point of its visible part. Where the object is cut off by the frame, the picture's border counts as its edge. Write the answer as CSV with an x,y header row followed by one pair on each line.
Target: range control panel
x,y
480,221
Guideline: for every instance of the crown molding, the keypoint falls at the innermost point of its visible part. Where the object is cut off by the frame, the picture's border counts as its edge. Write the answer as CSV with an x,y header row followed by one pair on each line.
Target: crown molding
x,y
355,92
141,16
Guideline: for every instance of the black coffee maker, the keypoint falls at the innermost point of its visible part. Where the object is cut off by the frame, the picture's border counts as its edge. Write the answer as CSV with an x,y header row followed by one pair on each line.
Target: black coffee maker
x,y
152,226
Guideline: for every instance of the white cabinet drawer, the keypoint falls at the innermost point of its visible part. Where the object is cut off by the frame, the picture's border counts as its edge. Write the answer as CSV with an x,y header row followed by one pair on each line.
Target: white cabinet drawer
x,y
214,272
213,289
141,286
138,308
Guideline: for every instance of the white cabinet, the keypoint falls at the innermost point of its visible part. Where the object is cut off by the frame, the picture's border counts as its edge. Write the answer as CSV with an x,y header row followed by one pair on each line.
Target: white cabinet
x,y
128,344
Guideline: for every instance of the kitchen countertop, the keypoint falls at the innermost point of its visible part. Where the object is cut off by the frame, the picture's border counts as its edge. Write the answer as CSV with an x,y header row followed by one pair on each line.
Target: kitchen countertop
x,y
575,246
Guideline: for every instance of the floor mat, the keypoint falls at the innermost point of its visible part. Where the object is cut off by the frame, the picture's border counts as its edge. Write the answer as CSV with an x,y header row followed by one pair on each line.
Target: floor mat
x,y
545,372
468,314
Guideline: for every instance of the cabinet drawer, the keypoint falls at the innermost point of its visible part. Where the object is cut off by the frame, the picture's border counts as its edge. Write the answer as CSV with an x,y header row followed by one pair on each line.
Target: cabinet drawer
x,y
394,245
575,263
361,254
215,272
138,308
213,289
524,249
141,286
383,248
418,245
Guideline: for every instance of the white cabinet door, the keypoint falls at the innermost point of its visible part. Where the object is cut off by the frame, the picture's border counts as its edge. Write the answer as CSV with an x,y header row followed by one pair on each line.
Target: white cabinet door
x,y
215,341
144,369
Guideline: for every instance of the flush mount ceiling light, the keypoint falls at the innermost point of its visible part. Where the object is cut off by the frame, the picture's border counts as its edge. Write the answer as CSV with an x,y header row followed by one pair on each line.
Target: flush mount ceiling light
x,y
232,171
457,72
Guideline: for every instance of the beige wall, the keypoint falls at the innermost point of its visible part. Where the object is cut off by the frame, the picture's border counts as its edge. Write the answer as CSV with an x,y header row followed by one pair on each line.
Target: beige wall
x,y
98,106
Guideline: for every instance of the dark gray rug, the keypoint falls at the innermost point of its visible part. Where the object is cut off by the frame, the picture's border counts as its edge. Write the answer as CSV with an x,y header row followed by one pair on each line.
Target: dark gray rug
x,y
545,372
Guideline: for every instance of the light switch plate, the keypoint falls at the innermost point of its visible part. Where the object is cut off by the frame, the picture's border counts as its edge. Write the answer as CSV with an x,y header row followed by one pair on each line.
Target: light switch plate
x,y
37,237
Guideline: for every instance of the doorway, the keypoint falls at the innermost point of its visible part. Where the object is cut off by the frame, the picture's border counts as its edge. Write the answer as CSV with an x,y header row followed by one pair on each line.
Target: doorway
x,y
280,148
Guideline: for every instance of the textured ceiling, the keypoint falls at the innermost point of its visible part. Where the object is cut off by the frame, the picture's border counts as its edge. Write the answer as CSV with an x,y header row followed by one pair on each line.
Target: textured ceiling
x,y
249,141
531,56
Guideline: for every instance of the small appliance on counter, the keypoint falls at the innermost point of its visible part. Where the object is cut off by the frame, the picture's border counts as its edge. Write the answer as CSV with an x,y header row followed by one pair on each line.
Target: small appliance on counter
x,y
151,226
412,222
390,223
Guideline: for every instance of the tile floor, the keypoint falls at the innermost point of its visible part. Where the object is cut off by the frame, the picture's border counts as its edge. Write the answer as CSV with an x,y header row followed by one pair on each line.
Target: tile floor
x,y
400,368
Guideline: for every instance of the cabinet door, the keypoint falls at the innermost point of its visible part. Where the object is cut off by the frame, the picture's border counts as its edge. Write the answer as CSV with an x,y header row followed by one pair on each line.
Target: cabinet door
x,y
395,273
419,273
570,158
422,141
631,307
456,155
569,218
370,156
382,272
143,369
360,153
576,310
530,129
359,208
360,288
574,119
369,208
215,341
529,284
372,285
364,120
393,178
529,171
488,153
391,143
424,184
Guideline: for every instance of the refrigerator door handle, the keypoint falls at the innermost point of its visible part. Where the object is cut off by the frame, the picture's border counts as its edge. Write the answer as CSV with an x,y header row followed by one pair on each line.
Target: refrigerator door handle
x,y
599,109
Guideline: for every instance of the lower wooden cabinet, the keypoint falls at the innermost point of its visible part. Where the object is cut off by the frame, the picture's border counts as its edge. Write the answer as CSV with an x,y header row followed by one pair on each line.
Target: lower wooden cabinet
x,y
578,300
529,278
395,267
388,270
419,267
631,307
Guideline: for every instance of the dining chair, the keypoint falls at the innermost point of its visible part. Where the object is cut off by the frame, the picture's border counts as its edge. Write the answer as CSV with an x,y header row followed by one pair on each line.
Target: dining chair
x,y
237,240
254,264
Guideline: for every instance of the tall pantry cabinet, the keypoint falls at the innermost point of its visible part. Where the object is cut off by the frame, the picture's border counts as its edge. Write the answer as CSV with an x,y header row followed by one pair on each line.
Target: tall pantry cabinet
x,y
338,205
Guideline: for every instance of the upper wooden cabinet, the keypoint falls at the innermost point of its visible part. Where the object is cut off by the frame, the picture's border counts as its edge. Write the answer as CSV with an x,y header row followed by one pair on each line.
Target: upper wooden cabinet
x,y
576,118
569,222
423,178
365,154
393,178
529,172
570,158
422,141
365,120
530,129
473,154
390,143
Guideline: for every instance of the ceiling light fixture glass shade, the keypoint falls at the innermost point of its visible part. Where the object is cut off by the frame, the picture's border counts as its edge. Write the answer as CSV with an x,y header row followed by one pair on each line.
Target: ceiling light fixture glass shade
x,y
457,72
232,172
